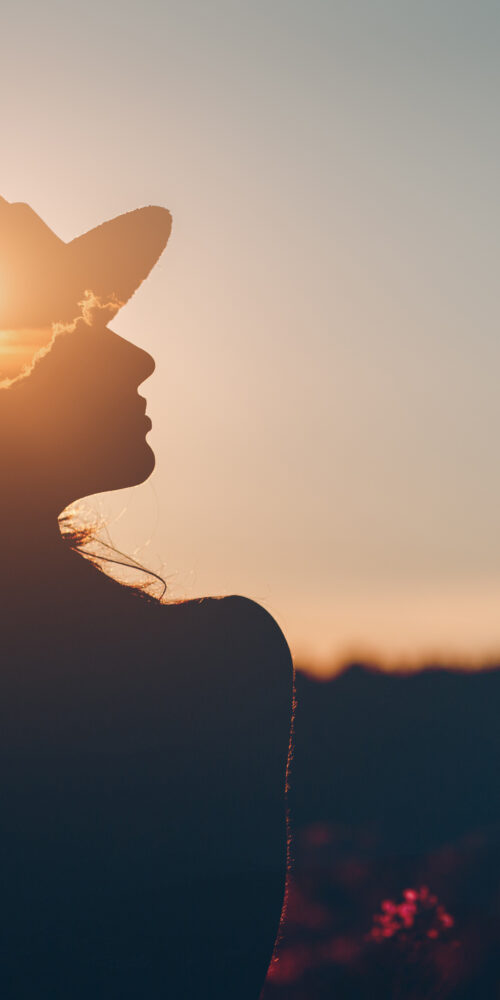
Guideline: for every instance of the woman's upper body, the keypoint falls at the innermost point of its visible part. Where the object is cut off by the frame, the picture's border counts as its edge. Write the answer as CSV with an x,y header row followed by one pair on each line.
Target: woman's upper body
x,y
143,760
203,685
143,746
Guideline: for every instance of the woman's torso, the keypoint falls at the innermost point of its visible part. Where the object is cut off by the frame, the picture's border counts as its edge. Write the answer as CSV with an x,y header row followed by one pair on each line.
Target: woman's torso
x,y
143,822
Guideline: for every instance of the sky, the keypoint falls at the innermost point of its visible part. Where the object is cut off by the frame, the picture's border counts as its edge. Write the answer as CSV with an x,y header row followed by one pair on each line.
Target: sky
x,y
325,318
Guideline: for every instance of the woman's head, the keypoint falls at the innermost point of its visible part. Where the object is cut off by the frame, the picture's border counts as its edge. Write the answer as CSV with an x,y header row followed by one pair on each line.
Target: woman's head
x,y
72,421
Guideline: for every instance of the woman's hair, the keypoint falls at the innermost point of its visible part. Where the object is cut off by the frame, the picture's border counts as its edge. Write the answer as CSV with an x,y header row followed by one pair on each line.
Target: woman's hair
x,y
86,540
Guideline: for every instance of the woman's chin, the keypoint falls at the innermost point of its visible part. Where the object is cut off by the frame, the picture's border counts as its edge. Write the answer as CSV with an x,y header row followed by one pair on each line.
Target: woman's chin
x,y
117,471
140,468
127,470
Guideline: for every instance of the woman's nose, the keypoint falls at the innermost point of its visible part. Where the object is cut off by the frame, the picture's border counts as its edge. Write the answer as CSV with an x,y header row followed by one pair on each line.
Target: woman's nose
x,y
144,362
140,364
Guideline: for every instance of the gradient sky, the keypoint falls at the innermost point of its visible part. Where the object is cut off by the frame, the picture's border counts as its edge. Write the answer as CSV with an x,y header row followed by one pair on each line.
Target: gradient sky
x,y
325,318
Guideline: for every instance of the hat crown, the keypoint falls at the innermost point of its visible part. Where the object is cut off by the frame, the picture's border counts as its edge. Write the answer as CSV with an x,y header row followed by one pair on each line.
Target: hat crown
x,y
31,256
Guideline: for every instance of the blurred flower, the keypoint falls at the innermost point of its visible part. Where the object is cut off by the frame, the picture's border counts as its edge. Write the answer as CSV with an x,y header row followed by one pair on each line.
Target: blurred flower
x,y
418,917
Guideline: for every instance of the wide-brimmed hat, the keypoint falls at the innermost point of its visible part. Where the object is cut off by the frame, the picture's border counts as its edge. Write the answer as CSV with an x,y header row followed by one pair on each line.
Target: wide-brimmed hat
x,y
44,280
46,284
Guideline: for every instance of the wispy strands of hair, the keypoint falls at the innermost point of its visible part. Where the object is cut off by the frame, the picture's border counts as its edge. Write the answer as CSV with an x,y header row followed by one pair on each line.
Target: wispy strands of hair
x,y
84,539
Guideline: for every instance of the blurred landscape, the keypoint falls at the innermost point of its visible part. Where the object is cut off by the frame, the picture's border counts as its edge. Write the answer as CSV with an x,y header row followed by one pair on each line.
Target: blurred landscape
x,y
395,809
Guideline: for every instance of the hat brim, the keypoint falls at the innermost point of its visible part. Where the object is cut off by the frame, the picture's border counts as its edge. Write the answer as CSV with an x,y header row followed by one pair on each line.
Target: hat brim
x,y
46,280
112,260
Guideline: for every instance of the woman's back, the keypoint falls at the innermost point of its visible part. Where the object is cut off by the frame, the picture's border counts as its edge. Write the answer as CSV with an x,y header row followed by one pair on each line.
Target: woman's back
x,y
143,819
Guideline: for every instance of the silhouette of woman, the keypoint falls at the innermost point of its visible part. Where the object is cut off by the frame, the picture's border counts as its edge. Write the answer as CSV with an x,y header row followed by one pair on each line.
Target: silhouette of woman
x,y
143,745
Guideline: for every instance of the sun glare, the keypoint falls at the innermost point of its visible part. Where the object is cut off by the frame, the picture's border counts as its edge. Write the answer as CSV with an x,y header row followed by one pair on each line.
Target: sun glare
x,y
19,348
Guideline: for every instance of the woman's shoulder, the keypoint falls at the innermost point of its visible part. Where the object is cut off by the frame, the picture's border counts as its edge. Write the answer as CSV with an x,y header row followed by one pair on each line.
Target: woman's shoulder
x,y
237,615
233,617
234,626
211,629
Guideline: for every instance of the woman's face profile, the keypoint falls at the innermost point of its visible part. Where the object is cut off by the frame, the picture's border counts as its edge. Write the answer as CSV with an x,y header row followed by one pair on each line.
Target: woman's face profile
x,y
72,422
77,420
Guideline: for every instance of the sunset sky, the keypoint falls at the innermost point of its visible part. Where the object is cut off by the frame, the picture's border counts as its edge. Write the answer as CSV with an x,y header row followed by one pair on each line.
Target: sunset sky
x,y
325,319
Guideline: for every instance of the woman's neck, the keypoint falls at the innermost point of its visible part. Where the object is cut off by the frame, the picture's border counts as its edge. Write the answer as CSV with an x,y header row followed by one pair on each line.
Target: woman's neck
x,y
31,546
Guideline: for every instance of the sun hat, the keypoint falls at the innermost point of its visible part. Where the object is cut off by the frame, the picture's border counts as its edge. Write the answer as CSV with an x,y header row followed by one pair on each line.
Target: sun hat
x,y
45,283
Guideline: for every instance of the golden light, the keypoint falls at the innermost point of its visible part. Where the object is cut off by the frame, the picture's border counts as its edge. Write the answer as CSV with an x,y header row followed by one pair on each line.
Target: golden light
x,y
20,348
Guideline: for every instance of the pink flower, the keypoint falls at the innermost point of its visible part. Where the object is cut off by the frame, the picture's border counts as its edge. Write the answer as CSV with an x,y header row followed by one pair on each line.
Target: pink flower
x,y
418,917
